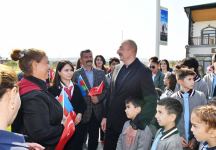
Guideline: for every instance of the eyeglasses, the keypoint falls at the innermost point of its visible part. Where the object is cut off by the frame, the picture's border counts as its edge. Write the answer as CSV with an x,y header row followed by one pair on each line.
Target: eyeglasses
x,y
152,67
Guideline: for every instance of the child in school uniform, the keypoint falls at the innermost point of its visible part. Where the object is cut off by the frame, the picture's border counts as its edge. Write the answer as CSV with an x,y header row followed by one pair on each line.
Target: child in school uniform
x,y
199,85
189,99
143,138
168,113
210,79
203,120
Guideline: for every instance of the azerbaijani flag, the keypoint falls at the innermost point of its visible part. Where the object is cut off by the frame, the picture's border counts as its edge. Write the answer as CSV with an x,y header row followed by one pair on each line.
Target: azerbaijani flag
x,y
70,118
82,85
65,102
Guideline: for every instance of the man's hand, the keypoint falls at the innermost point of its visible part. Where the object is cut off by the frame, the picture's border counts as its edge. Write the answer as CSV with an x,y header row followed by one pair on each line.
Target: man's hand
x,y
78,118
35,146
94,99
103,124
130,135
184,142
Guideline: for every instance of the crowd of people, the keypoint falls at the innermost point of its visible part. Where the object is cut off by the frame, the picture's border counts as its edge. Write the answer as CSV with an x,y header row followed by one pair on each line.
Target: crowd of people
x,y
130,106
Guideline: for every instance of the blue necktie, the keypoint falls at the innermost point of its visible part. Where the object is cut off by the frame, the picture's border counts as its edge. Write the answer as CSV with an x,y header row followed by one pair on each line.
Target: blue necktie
x,y
205,146
214,85
156,140
186,115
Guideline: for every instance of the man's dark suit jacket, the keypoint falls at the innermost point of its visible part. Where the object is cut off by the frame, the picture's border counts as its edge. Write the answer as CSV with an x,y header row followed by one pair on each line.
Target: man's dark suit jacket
x,y
98,77
137,83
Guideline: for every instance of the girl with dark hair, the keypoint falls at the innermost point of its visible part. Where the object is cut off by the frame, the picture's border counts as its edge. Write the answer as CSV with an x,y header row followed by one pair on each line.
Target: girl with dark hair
x,y
41,114
170,83
164,66
62,81
78,64
100,62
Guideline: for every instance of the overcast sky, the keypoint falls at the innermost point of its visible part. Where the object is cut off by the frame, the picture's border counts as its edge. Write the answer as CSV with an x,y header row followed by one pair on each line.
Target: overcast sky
x,y
65,27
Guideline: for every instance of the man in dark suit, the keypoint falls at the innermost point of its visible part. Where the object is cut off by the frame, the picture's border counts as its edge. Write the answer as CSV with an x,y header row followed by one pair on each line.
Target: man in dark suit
x,y
93,114
131,79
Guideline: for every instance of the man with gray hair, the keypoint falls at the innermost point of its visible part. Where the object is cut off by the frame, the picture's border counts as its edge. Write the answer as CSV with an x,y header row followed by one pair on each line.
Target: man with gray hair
x,y
130,79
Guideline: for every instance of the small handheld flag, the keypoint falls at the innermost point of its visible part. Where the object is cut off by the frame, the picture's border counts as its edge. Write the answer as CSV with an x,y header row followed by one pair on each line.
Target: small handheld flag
x,y
70,118
67,133
96,90
82,85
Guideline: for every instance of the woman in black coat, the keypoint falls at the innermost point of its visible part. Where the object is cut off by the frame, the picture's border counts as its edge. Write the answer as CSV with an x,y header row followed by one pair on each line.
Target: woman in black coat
x,y
62,81
40,115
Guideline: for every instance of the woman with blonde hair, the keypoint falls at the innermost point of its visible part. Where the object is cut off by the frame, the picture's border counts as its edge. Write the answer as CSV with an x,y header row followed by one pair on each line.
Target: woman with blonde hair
x,y
9,106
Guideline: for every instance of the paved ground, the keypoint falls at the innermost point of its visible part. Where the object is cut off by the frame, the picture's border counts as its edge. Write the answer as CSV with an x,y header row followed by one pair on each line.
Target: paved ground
x,y
100,147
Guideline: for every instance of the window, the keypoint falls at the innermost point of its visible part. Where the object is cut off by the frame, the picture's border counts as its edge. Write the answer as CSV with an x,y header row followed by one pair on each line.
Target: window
x,y
208,36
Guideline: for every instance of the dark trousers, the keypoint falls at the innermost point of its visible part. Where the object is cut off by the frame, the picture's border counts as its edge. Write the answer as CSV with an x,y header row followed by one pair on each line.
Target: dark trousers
x,y
92,129
101,135
76,141
79,138
111,139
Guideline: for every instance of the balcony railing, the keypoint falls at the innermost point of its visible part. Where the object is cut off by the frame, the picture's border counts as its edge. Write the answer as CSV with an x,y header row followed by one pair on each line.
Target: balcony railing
x,y
203,41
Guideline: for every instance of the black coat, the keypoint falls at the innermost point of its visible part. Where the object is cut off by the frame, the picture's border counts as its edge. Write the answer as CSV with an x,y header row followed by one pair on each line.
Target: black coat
x,y
79,106
40,115
77,100
136,83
